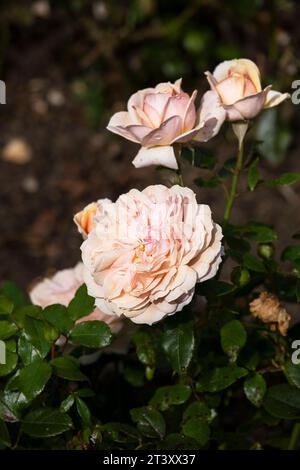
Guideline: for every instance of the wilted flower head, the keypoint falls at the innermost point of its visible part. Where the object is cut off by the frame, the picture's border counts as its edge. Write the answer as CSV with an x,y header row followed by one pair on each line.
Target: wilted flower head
x,y
238,86
148,250
61,288
158,117
268,309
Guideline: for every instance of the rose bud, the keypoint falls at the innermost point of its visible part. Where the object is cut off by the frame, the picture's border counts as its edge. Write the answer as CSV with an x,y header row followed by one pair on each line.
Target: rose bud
x,y
238,86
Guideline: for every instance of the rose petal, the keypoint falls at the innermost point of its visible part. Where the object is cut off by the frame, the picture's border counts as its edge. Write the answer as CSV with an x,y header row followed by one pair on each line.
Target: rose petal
x,y
165,134
162,155
274,98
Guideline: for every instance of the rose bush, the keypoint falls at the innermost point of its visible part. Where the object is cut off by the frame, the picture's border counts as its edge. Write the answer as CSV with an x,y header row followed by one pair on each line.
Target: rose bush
x,y
210,314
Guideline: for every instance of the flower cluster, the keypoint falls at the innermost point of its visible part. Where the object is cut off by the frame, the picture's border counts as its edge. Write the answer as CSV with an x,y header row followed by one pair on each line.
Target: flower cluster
x,y
143,254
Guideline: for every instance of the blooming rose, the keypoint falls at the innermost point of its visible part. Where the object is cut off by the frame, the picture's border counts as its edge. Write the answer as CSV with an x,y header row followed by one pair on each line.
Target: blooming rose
x,y
161,116
237,84
148,250
61,288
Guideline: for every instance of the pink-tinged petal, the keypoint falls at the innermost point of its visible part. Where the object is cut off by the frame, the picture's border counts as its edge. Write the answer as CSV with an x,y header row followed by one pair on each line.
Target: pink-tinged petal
x,y
151,315
211,80
251,106
274,98
231,89
121,119
117,125
177,106
137,101
232,114
241,66
165,134
211,117
168,87
189,118
162,155
154,107
139,132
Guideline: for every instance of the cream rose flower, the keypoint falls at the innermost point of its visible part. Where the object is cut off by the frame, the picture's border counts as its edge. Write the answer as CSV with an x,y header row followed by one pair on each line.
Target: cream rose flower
x,y
61,288
238,86
159,117
148,250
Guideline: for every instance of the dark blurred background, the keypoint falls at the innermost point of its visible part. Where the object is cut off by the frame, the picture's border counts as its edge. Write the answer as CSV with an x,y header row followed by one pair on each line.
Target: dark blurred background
x,y
69,64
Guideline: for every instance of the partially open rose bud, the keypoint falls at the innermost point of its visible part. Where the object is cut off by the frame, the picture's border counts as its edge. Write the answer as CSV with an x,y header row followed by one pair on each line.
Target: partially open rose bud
x,y
238,86
84,219
156,118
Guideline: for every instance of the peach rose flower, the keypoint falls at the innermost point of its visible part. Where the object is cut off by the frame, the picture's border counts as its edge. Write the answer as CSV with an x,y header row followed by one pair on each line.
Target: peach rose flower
x,y
148,250
61,288
238,86
158,117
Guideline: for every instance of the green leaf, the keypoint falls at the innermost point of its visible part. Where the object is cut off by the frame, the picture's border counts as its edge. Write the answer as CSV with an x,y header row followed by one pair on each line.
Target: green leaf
x,y
211,182
199,157
214,288
14,294
67,403
81,305
11,361
253,263
58,316
27,352
121,433
165,397
220,378
255,388
33,378
145,347
291,253
46,422
199,410
253,175
283,401
67,367
7,329
11,405
134,375
260,233
197,429
92,334
4,434
6,305
233,338
292,372
284,179
179,344
150,422
39,334
83,411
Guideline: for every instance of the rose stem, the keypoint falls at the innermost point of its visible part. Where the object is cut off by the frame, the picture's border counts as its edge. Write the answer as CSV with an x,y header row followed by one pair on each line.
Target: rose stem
x,y
294,436
237,170
179,171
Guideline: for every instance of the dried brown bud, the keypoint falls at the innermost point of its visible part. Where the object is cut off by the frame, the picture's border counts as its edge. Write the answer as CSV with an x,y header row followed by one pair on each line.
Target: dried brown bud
x,y
268,309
